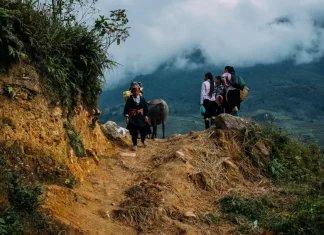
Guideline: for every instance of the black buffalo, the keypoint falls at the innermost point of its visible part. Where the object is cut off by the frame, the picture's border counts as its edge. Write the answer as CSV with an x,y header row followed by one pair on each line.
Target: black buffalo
x,y
158,114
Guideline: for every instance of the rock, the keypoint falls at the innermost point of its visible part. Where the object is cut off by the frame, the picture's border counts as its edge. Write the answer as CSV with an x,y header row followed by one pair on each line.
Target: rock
x,y
230,122
104,213
116,133
127,154
179,154
262,148
189,214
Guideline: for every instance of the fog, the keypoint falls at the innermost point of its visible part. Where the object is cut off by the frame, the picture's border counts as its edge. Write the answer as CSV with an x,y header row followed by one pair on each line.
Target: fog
x,y
236,32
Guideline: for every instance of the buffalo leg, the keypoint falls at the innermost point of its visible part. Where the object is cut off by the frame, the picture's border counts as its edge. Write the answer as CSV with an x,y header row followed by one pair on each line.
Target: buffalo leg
x,y
163,130
155,130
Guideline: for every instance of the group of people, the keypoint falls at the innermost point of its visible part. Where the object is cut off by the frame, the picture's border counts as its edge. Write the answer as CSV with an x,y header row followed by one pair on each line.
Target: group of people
x,y
219,96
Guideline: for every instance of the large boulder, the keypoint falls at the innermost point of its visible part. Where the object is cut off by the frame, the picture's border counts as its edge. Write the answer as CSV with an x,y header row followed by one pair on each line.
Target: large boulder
x,y
230,122
116,133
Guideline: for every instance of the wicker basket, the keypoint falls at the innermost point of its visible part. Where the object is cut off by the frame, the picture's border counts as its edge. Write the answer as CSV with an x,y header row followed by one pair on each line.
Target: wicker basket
x,y
244,93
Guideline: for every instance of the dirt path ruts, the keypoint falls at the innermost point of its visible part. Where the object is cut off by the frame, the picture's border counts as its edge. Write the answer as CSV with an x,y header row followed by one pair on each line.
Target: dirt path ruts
x,y
88,207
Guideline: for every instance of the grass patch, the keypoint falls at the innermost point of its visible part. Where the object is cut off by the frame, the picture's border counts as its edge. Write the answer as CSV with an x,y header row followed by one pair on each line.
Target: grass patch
x,y
75,139
211,219
250,208
296,168
71,181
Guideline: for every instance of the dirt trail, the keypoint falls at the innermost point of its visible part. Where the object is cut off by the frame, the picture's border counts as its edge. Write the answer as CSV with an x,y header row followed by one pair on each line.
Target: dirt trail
x,y
169,187
88,207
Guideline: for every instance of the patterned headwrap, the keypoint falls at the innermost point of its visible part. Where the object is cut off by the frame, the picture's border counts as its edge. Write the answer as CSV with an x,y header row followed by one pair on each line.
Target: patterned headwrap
x,y
135,86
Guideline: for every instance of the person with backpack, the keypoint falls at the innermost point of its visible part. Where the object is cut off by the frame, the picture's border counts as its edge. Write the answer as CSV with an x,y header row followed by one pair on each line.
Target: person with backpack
x,y
136,114
232,93
128,93
207,99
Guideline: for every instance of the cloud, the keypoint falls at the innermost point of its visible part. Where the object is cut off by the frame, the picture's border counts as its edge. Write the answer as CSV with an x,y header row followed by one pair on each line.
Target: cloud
x,y
238,32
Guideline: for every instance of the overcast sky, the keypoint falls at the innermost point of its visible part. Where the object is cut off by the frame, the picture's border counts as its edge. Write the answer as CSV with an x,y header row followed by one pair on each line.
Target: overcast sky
x,y
235,32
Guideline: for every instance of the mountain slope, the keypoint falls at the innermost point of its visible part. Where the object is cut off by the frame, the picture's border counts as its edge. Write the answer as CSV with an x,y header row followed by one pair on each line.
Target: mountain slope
x,y
293,91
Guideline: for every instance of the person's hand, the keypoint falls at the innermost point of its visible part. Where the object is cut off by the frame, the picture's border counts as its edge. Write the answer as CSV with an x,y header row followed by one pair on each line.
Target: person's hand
x,y
146,118
127,120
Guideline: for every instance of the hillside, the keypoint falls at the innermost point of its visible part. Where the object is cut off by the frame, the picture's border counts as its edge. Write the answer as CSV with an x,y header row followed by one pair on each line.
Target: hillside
x,y
292,94
63,172
231,178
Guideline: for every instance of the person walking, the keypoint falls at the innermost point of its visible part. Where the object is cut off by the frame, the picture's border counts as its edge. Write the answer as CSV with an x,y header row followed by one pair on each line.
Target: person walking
x,y
136,114
207,99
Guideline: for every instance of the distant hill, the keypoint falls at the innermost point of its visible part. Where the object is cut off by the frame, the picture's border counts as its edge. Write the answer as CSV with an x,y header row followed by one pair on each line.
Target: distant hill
x,y
292,94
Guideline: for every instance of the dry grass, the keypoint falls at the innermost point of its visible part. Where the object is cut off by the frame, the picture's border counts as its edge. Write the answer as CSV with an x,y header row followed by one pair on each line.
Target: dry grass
x,y
224,171
218,166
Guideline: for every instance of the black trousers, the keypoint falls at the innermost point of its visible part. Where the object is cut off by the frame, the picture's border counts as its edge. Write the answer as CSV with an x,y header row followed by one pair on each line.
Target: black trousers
x,y
135,129
211,108
233,99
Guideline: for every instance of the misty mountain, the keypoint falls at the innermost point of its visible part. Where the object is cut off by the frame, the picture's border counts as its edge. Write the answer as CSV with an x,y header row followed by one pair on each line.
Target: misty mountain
x,y
290,94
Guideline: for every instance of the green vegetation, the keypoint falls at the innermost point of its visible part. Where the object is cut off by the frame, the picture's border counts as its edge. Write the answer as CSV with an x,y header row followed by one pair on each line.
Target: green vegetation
x,y
72,181
250,208
75,139
292,161
211,219
20,200
70,56
10,91
297,169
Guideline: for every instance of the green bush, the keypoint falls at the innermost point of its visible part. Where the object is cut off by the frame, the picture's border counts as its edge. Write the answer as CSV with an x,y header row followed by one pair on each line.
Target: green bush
x,y
24,198
306,217
20,212
250,208
298,170
75,139
11,47
292,161
70,56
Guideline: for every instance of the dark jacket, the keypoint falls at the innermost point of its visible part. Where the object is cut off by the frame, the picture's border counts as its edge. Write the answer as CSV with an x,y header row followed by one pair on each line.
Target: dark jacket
x,y
136,112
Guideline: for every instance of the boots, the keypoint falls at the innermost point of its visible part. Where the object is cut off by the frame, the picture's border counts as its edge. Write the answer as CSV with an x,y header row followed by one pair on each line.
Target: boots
x,y
206,124
212,121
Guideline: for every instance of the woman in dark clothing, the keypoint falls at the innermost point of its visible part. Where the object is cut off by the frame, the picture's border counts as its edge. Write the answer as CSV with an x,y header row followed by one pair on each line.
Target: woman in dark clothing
x,y
136,113
232,93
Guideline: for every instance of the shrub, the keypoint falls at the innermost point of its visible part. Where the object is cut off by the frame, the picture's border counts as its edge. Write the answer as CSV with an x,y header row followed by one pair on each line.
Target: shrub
x,y
24,198
251,208
20,200
291,161
70,56
298,170
75,139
